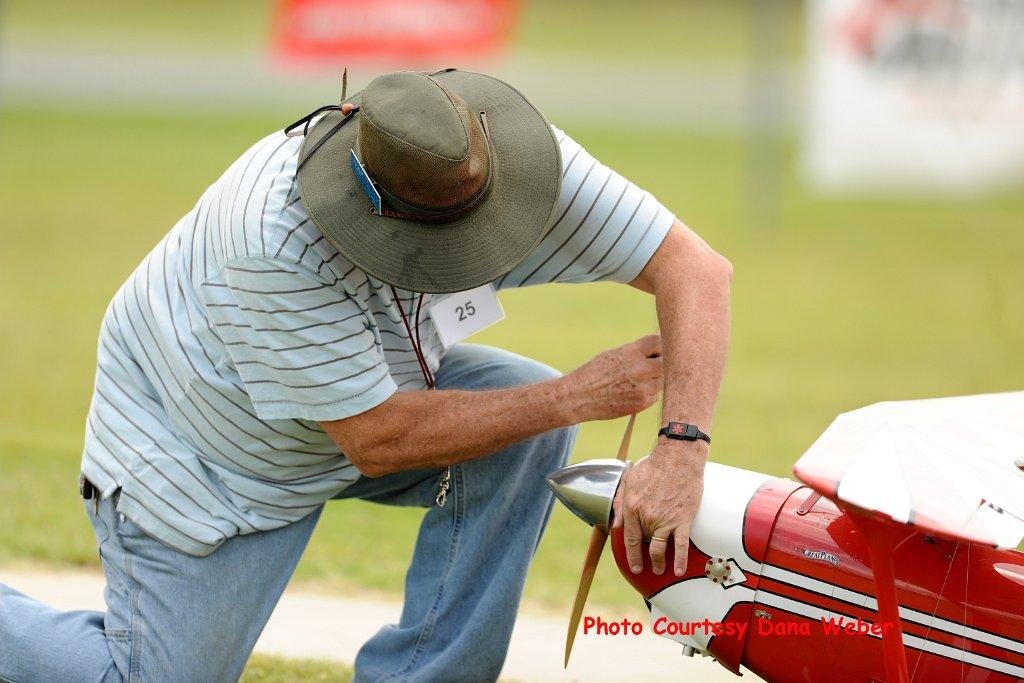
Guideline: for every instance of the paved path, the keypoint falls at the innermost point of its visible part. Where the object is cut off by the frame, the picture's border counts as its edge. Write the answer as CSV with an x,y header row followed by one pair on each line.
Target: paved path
x,y
333,627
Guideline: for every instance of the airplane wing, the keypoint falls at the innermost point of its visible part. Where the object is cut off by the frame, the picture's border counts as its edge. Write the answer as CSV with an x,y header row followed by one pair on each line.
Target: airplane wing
x,y
951,466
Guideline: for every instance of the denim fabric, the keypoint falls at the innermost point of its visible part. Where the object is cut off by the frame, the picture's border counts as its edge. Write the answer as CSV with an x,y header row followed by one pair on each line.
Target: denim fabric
x,y
175,617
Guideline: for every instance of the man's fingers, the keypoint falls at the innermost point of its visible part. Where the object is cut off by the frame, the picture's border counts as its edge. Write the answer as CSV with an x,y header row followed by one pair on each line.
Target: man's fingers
x,y
682,539
650,345
659,542
617,503
656,366
633,536
617,508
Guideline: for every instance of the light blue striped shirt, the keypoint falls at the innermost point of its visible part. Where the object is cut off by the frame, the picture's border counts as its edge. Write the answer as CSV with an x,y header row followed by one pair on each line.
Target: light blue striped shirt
x,y
244,327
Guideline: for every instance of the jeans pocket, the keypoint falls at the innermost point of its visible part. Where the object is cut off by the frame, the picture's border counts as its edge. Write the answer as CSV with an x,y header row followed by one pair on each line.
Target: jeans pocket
x,y
124,527
123,650
122,619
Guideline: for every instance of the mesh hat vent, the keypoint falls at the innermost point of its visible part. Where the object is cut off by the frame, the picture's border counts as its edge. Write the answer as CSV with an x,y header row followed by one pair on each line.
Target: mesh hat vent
x,y
421,144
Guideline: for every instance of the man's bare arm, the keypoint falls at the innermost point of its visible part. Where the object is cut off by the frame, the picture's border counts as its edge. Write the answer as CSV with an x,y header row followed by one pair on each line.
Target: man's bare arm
x,y
691,285
420,429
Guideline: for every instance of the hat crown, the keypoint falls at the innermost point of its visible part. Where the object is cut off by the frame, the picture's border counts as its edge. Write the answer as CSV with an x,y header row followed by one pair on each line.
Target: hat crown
x,y
421,144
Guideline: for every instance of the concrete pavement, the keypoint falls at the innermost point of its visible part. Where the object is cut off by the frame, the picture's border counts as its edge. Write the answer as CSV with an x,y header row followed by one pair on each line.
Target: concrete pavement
x,y
333,627
696,97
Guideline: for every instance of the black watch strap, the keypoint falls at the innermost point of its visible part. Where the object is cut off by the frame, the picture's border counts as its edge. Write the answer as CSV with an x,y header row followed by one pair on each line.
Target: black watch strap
x,y
684,432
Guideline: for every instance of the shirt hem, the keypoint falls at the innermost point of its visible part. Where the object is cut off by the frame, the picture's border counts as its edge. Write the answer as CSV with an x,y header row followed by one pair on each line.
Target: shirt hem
x,y
635,264
97,477
284,409
150,525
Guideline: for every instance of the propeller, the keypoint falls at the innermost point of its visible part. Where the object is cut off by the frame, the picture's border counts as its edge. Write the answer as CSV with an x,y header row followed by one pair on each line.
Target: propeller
x,y
598,538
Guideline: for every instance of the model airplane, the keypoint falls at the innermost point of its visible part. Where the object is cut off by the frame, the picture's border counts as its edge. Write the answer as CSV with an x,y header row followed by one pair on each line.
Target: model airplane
x,y
893,560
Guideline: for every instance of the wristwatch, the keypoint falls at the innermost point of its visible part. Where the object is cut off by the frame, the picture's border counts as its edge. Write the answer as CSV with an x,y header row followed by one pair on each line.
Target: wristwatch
x,y
684,432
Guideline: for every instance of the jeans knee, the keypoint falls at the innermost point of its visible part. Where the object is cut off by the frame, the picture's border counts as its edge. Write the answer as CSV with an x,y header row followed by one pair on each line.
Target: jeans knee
x,y
529,371
511,370
568,440
554,448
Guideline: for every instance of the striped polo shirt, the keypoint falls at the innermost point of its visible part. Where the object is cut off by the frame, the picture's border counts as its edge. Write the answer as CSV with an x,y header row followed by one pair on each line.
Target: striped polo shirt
x,y
244,327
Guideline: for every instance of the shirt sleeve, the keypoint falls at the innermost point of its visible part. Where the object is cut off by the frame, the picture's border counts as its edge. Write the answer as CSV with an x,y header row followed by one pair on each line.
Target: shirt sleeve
x,y
605,227
302,348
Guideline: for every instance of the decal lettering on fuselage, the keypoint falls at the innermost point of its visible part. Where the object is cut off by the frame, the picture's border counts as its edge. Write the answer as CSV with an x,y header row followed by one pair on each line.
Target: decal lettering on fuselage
x,y
821,555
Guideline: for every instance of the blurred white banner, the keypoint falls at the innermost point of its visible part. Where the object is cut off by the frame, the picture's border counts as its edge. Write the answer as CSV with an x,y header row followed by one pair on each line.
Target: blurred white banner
x,y
915,94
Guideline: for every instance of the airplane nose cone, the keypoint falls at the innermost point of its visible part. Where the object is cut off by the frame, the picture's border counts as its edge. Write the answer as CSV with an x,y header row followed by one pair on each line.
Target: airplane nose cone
x,y
588,489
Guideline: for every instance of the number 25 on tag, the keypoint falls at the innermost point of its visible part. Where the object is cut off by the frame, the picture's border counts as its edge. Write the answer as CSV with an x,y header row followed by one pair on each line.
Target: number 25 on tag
x,y
462,314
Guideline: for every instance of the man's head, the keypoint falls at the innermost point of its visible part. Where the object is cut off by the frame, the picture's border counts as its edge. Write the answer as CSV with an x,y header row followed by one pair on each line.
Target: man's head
x,y
432,183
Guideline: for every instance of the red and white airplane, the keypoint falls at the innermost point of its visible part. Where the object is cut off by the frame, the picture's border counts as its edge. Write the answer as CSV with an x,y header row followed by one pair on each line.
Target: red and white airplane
x,y
906,518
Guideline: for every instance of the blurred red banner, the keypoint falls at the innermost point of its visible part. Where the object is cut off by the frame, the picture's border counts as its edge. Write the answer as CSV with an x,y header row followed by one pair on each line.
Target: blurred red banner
x,y
337,32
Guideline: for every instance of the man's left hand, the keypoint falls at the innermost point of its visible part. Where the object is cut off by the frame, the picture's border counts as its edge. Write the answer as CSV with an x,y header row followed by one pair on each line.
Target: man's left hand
x,y
657,499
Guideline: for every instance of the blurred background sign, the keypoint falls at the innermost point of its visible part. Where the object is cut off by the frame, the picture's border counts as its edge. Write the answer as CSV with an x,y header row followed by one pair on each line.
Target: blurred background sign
x,y
339,32
915,94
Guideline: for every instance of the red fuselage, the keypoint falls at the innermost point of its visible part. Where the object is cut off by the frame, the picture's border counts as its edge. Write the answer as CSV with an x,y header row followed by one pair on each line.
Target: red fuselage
x,y
807,596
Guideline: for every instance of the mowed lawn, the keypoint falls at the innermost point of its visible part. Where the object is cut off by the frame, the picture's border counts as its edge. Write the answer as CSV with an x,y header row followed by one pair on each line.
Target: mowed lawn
x,y
841,303
267,669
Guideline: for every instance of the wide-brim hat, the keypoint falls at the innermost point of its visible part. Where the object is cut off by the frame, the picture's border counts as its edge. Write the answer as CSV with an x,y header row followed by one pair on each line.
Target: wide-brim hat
x,y
485,235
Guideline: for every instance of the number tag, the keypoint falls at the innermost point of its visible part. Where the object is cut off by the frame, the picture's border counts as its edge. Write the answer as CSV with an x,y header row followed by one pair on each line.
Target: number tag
x,y
462,314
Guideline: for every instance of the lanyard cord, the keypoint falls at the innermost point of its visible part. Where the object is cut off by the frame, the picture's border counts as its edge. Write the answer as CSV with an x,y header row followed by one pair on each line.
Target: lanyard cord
x,y
419,344
414,337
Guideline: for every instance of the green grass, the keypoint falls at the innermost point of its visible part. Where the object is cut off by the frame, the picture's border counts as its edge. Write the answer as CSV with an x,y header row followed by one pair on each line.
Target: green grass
x,y
655,30
844,303
267,669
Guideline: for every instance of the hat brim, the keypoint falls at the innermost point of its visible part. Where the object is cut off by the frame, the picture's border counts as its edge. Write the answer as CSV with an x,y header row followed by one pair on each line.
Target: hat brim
x,y
455,256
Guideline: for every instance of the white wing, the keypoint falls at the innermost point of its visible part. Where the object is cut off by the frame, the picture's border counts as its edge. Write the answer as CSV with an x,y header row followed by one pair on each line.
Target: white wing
x,y
952,466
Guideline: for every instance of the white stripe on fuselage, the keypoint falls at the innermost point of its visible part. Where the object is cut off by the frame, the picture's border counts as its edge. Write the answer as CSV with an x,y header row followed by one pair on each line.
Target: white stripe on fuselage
x,y
869,602
814,612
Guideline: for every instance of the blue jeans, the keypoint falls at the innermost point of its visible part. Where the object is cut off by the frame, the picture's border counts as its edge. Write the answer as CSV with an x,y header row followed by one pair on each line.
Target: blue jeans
x,y
173,617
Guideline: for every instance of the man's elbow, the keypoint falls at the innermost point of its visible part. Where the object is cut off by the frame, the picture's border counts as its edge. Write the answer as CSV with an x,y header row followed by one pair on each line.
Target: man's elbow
x,y
367,449
720,269
375,454
702,266
371,462
685,256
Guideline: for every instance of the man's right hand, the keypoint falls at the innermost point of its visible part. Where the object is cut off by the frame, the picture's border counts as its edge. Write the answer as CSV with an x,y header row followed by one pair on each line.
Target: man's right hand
x,y
620,381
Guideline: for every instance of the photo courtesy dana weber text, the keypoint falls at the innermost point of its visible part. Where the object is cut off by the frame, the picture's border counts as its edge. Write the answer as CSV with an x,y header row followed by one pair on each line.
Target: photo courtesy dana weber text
x,y
663,626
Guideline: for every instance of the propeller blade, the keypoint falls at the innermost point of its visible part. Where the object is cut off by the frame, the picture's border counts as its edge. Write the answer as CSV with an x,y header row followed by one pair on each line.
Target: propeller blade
x,y
598,539
624,446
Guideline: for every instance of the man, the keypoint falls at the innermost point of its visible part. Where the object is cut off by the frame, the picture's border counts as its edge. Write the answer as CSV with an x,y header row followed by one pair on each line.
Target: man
x,y
272,353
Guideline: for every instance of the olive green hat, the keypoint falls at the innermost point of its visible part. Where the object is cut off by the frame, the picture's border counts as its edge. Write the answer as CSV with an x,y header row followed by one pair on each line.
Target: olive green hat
x,y
435,182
